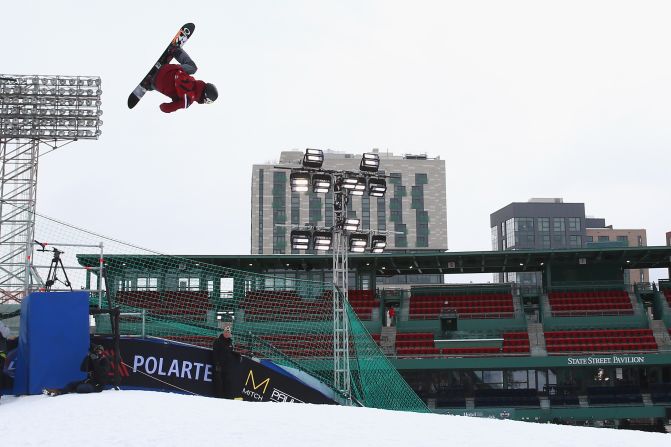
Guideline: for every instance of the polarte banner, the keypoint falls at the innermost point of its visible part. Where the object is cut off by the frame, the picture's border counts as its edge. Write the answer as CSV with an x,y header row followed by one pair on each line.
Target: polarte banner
x,y
158,364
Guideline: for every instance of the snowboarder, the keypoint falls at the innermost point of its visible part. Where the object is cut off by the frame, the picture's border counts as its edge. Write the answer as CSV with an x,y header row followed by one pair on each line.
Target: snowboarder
x,y
176,82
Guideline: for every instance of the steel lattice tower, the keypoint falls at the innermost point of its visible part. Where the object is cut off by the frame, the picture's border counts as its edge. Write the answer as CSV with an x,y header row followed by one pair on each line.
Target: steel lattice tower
x,y
37,113
341,367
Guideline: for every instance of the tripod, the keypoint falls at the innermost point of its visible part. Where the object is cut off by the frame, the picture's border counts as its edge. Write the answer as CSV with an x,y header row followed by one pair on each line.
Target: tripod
x,y
56,263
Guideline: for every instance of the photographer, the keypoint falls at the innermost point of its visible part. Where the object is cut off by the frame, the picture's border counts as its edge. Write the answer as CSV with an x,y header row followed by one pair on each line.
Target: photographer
x,y
97,365
4,335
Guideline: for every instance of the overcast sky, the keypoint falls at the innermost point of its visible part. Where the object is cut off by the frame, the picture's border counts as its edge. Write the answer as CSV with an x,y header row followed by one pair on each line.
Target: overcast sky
x,y
522,99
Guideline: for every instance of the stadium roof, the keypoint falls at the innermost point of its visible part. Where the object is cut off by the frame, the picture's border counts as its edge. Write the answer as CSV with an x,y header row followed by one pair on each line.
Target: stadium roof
x,y
433,262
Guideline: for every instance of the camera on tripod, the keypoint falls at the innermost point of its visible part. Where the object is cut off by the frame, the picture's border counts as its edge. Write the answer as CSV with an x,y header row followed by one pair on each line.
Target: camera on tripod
x,y
56,263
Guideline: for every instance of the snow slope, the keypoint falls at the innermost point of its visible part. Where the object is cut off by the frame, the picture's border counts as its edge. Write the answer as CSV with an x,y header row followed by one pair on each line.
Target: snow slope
x,y
137,418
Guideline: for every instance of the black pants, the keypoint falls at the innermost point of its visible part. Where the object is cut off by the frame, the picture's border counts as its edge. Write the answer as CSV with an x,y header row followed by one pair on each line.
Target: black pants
x,y
82,387
188,65
222,386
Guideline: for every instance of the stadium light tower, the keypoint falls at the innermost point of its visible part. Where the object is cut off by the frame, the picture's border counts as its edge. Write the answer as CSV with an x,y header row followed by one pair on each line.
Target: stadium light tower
x,y
342,238
38,114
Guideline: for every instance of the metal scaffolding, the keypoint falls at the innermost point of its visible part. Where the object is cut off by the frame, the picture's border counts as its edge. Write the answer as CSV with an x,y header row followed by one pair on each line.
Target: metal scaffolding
x,y
38,114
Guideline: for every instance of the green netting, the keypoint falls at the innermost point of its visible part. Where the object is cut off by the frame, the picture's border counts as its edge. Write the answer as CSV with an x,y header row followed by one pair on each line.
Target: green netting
x,y
189,300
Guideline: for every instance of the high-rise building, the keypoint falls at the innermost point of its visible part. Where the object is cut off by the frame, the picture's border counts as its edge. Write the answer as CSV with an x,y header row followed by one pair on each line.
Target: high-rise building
x,y
600,234
413,211
536,224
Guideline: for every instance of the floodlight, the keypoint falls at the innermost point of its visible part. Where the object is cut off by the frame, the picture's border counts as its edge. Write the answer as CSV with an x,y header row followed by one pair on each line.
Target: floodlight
x,y
349,183
370,162
358,242
30,104
351,224
356,185
300,239
322,240
299,181
321,183
378,243
313,158
377,187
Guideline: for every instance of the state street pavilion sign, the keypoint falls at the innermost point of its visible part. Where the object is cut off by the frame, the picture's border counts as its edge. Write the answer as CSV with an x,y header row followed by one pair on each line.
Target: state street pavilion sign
x,y
608,360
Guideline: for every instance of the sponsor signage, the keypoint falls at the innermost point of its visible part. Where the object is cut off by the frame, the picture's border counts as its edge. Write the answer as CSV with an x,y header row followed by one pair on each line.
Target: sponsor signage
x,y
491,413
615,359
155,364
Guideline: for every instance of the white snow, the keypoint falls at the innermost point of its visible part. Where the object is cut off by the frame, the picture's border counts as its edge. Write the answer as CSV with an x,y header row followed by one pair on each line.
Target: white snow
x,y
142,418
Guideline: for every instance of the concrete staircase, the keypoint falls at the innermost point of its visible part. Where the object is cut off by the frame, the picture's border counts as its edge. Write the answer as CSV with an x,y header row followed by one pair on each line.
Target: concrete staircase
x,y
661,334
388,340
536,340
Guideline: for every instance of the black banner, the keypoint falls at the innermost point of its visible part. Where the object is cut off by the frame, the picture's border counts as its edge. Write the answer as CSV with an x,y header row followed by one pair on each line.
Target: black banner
x,y
166,366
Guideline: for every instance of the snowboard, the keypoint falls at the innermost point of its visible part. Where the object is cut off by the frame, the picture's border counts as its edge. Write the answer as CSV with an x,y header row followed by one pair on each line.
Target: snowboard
x,y
177,42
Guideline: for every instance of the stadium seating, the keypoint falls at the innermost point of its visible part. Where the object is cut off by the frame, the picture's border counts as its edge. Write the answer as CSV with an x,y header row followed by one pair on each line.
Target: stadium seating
x,y
600,340
421,344
198,340
301,345
363,302
192,304
265,305
488,305
600,302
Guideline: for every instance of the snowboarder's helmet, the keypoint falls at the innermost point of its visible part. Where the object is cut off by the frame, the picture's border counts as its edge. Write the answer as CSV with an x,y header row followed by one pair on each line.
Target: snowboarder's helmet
x,y
210,93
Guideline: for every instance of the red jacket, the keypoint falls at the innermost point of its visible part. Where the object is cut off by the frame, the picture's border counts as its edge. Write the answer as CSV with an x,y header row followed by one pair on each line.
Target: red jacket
x,y
175,83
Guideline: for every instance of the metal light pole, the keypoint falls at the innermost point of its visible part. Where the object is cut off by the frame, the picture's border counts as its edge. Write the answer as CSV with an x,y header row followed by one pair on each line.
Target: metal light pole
x,y
341,369
36,112
344,184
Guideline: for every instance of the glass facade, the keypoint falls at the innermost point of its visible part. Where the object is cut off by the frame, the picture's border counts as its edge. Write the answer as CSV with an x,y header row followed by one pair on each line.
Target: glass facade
x,y
260,205
279,212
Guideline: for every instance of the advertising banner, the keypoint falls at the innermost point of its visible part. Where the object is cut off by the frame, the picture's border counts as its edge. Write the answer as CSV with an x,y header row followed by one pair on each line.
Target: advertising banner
x,y
161,365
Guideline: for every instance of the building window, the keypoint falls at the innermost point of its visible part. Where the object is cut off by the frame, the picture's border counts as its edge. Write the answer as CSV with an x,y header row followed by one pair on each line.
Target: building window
x,y
395,178
525,240
558,240
573,224
421,179
624,239
401,236
417,194
558,224
640,241
399,191
328,209
314,209
524,224
381,214
495,238
574,241
260,235
604,238
295,208
589,238
543,224
545,241
365,212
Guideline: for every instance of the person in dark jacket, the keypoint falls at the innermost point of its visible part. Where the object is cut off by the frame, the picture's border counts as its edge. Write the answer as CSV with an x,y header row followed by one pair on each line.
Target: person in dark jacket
x,y
4,335
175,81
223,357
97,366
